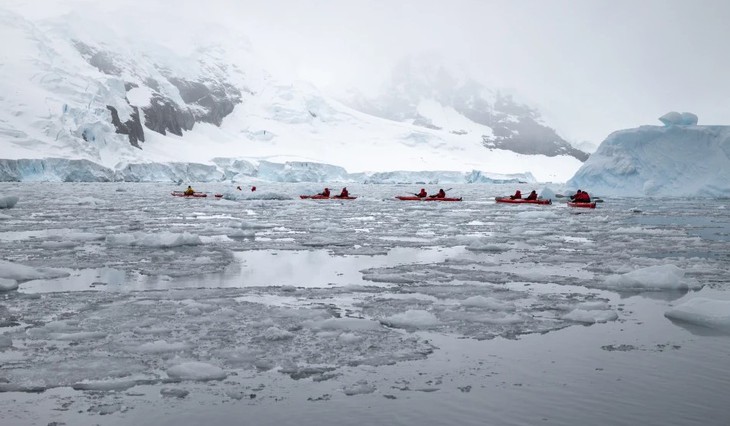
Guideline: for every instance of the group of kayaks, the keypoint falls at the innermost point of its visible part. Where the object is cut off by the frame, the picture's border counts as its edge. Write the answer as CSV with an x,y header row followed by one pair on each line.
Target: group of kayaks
x,y
508,200
400,197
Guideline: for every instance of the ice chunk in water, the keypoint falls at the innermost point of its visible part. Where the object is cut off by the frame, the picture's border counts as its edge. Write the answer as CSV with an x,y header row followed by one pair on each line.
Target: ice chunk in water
x,y
704,312
195,370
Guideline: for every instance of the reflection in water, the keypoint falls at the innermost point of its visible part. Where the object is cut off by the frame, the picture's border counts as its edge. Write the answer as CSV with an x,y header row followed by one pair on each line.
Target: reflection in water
x,y
255,268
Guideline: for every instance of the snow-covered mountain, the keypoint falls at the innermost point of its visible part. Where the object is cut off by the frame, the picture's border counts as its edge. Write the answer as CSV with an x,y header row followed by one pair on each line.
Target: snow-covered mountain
x,y
73,88
425,93
677,159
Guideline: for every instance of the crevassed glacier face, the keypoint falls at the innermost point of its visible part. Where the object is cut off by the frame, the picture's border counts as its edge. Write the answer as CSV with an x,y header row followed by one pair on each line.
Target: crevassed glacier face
x,y
659,161
229,169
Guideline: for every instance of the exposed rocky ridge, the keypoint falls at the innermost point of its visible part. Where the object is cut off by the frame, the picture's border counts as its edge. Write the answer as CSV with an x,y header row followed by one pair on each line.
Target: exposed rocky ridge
x,y
209,100
131,127
515,126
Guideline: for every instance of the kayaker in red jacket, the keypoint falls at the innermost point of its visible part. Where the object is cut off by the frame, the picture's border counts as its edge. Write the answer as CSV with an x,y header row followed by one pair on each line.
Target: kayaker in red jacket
x,y
422,194
581,197
325,193
440,194
532,196
344,193
517,196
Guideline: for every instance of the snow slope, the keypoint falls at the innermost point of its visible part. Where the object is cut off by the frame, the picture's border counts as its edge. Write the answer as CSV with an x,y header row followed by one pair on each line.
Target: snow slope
x,y
64,78
675,160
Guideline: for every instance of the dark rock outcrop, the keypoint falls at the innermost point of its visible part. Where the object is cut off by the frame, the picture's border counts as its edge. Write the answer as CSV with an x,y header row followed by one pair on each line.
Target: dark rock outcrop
x,y
163,115
209,100
101,60
217,99
132,127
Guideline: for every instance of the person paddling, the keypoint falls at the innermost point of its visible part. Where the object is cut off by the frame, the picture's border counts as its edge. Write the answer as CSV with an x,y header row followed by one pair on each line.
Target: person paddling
x,y
532,196
344,193
440,194
581,197
325,193
189,191
517,196
422,194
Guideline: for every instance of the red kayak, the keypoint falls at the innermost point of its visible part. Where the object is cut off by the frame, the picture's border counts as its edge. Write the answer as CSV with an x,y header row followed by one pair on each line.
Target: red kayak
x,y
522,201
413,198
582,204
194,195
322,197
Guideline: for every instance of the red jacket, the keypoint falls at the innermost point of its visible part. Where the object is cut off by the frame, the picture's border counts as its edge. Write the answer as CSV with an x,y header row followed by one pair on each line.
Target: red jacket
x,y
532,196
326,192
423,193
583,197
344,193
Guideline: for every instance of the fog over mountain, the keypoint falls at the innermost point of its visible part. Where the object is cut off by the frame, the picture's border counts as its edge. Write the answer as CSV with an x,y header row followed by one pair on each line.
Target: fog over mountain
x,y
94,91
425,93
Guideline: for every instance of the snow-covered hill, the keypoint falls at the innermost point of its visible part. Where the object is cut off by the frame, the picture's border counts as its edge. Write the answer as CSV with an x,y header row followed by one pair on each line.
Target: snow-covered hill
x,y
422,91
671,160
74,88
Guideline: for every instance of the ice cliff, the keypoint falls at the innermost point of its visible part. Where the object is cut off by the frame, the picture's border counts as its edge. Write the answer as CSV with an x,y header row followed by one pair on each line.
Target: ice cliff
x,y
678,159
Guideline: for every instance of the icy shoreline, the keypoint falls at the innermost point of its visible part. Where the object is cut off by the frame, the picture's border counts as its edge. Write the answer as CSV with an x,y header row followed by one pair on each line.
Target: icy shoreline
x,y
231,169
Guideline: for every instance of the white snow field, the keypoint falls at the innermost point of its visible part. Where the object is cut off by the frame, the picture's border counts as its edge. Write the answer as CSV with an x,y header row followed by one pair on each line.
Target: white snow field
x,y
120,304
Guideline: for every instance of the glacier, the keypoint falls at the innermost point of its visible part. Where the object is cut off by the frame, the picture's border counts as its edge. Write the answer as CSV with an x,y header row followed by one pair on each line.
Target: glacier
x,y
676,160
231,170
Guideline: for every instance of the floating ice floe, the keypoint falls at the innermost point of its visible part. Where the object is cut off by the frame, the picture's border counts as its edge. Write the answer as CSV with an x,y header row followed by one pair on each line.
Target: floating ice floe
x,y
487,303
590,316
360,388
14,271
8,285
275,333
660,277
412,318
195,370
160,346
8,202
162,239
704,312
349,324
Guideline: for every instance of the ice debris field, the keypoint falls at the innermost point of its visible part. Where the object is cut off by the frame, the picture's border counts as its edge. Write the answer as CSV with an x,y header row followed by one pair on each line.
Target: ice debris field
x,y
110,290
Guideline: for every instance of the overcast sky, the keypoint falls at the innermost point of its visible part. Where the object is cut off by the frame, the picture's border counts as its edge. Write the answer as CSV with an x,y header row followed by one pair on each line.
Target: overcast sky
x,y
590,66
